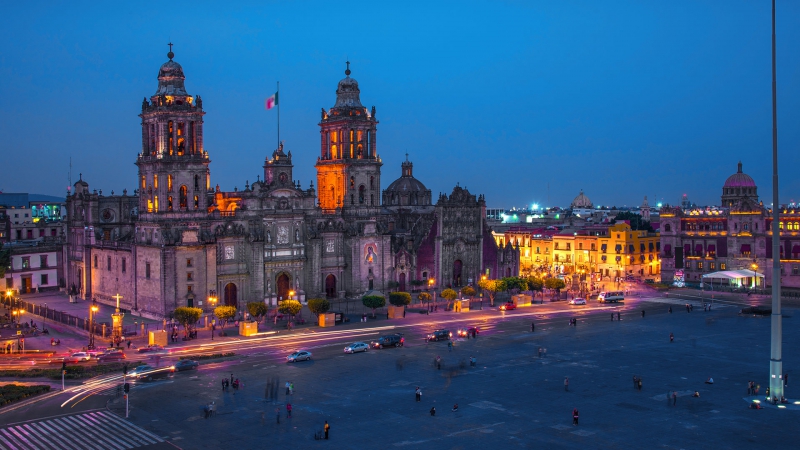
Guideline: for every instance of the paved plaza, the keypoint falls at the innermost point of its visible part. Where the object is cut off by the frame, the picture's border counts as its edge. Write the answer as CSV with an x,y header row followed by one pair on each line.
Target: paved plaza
x,y
512,398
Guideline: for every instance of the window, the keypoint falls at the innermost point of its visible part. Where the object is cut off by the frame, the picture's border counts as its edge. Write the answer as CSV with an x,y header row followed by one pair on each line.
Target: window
x,y
155,181
188,262
95,261
189,276
722,266
41,233
109,263
667,227
30,234
712,266
183,197
169,183
795,269
43,279
197,182
189,288
169,203
144,182
196,202
537,250
43,261
147,271
699,265
569,246
124,265
26,262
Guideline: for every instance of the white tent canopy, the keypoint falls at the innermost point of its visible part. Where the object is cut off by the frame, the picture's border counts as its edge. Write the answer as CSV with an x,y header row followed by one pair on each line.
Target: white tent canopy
x,y
733,275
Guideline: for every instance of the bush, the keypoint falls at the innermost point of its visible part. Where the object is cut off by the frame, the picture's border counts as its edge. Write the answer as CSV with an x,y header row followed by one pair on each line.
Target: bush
x,y
14,392
449,294
211,356
424,297
257,309
319,305
399,298
290,307
467,291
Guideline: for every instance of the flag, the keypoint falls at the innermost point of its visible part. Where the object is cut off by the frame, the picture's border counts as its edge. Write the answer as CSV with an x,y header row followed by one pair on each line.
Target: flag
x,y
271,102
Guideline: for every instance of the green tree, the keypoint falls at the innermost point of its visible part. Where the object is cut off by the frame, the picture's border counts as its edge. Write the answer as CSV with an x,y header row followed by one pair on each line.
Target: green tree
x,y
374,302
291,307
449,295
424,297
319,305
187,316
468,291
492,287
555,284
399,298
535,284
5,260
257,309
224,313
636,221
516,284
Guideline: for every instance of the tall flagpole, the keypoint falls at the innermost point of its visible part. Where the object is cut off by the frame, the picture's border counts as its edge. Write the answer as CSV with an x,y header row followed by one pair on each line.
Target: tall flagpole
x,y
278,100
776,356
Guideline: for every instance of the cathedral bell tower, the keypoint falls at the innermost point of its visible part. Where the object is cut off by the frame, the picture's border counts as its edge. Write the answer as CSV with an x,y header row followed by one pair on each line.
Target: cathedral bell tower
x,y
348,168
173,166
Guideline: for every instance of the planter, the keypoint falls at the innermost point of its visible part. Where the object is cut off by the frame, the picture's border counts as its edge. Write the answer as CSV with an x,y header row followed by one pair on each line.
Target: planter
x,y
396,312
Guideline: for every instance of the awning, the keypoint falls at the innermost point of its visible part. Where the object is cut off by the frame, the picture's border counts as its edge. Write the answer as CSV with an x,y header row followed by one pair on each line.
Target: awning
x,y
733,275
745,248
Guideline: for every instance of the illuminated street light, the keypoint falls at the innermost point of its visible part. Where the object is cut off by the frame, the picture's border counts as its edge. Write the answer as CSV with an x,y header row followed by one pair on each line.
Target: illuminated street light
x,y
92,311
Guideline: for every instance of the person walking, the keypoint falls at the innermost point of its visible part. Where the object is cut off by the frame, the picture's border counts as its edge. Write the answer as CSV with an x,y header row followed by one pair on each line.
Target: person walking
x,y
418,394
639,383
291,388
670,309
674,398
618,319
566,384
671,338
612,317
278,415
433,411
287,388
288,410
532,327
540,352
749,387
575,416
327,429
642,314
231,378
786,379
223,385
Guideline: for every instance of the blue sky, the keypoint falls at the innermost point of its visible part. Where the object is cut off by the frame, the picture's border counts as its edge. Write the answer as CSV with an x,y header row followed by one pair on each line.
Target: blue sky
x,y
620,99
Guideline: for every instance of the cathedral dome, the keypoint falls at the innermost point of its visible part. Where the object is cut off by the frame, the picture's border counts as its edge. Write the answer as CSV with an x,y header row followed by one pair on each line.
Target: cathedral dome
x,y
581,201
347,93
407,190
171,78
739,179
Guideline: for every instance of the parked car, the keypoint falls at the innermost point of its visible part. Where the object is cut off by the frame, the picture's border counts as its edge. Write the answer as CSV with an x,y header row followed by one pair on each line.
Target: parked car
x,y
185,364
508,306
439,335
464,332
116,355
577,301
390,340
302,355
356,347
151,348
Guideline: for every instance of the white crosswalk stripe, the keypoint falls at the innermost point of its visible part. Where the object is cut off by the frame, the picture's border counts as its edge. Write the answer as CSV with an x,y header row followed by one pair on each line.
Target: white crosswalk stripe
x,y
98,430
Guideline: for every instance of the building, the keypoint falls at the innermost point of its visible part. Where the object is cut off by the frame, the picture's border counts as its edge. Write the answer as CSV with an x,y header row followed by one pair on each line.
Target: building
x,y
736,236
178,241
36,266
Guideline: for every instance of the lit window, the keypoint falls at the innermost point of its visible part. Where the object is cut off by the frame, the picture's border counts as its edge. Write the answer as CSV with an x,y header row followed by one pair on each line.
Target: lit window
x,y
155,181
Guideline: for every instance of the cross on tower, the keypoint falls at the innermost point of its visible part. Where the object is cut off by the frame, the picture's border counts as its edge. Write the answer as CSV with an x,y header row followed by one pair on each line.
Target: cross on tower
x,y
170,46
406,156
118,297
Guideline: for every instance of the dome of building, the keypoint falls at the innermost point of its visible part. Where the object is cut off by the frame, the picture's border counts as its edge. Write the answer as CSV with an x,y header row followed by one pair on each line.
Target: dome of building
x,y
407,182
347,93
581,202
739,179
171,78
407,190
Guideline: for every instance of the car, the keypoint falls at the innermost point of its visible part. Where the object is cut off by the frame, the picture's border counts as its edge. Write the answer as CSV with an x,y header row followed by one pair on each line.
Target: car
x,y
439,335
151,348
185,364
356,347
136,371
149,373
577,301
112,356
82,356
465,332
302,355
390,340
508,306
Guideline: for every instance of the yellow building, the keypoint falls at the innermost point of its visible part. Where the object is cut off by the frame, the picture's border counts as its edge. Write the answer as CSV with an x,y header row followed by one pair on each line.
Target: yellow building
x,y
535,248
625,252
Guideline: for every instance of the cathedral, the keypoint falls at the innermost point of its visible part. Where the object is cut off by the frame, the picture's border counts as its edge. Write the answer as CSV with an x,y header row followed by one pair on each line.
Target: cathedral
x,y
179,240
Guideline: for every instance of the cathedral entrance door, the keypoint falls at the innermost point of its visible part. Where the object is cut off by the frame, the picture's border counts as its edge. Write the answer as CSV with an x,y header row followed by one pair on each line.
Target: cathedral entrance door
x,y
402,282
330,286
230,295
284,286
457,265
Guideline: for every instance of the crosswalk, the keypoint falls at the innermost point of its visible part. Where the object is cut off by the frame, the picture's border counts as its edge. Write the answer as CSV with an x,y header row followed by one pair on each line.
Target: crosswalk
x,y
98,430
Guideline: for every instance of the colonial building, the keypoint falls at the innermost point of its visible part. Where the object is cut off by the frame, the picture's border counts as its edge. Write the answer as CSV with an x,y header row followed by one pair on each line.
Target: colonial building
x,y
178,240
737,236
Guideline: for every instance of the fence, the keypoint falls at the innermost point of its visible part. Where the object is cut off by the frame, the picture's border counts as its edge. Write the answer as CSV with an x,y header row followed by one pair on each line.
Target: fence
x,y
82,323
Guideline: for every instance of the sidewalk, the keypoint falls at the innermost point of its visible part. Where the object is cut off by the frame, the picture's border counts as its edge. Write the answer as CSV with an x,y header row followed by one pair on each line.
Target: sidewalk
x,y
58,301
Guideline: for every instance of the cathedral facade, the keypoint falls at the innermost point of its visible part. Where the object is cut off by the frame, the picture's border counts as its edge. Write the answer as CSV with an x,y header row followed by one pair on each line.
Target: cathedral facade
x,y
179,240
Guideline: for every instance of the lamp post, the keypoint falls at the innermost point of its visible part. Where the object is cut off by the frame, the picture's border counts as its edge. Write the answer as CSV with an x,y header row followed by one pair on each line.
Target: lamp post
x,y
212,299
92,310
45,315
754,266
9,294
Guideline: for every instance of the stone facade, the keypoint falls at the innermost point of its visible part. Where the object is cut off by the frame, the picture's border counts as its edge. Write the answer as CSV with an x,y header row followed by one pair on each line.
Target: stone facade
x,y
177,240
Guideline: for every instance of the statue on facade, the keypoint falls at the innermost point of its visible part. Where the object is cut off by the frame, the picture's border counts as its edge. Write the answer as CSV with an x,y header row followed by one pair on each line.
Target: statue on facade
x,y
297,235
269,237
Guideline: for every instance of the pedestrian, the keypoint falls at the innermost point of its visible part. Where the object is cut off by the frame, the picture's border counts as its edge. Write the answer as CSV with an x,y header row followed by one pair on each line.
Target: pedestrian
x,y
687,307
642,314
278,415
449,346
566,384
439,363
129,344
418,394
433,411
670,309
749,387
544,351
287,388
786,379
575,416
618,319
223,385
288,410
472,361
639,381
540,352
532,327
674,398
671,338
291,388
327,428
612,317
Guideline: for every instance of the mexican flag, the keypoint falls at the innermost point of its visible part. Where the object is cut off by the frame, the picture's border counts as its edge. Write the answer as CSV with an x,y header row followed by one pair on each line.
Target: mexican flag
x,y
271,102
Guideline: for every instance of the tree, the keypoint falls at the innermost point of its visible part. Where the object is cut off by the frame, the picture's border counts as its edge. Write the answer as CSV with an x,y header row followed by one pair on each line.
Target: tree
x,y
187,316
5,260
492,287
399,298
319,305
555,284
291,307
374,302
468,291
449,295
535,284
636,221
257,309
224,313
424,297
516,284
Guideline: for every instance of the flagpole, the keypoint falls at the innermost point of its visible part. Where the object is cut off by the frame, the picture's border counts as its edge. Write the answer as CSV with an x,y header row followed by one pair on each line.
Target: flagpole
x,y
278,98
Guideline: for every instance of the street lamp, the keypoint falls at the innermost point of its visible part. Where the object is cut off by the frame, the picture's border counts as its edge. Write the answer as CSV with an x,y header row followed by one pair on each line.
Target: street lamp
x,y
17,314
754,266
92,310
212,299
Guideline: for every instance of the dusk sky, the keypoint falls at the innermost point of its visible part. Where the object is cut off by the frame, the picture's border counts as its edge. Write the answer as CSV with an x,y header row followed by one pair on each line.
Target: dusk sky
x,y
619,98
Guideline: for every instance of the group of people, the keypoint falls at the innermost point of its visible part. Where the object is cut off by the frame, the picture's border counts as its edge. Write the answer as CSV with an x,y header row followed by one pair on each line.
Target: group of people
x,y
54,342
289,388
573,322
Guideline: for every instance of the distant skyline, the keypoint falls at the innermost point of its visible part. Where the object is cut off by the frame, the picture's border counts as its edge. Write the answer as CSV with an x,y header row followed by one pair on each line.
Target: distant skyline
x,y
619,98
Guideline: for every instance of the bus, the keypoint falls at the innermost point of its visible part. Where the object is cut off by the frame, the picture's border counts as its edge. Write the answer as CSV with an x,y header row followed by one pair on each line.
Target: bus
x,y
611,296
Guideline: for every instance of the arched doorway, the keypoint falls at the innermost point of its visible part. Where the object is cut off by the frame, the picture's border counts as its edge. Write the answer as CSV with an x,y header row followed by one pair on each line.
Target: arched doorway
x,y
230,295
284,285
508,272
402,282
457,265
330,286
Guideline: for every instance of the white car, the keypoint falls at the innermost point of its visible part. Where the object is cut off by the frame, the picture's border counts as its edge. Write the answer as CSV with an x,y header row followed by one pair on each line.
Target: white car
x,y
81,356
302,355
356,347
577,301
